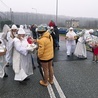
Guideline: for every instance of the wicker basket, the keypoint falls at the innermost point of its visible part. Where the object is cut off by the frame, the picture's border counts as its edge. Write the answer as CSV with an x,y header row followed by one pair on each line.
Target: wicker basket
x,y
2,53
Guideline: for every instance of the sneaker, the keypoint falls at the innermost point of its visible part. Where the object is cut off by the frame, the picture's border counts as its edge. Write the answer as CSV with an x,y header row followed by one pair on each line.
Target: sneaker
x,y
58,47
26,79
68,55
72,53
96,61
5,75
93,61
43,83
34,68
7,65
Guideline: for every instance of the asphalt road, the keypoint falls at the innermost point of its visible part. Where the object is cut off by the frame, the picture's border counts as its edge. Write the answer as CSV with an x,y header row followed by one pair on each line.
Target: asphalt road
x,y
73,78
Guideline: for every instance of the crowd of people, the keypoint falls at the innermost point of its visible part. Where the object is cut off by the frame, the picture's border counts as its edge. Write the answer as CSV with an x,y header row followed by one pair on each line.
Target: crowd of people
x,y
79,49
16,49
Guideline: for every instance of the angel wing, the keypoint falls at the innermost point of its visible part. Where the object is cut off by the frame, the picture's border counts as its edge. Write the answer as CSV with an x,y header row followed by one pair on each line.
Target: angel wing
x,y
5,30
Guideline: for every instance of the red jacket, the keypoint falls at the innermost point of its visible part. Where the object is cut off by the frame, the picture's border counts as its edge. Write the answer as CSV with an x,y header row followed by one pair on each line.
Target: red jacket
x,y
51,24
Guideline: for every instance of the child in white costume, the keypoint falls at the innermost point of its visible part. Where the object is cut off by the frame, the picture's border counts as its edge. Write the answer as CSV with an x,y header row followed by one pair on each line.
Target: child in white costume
x,y
70,41
2,59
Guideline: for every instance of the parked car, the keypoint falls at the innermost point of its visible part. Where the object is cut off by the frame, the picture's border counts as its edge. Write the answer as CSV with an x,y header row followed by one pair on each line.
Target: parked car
x,y
77,30
95,33
62,30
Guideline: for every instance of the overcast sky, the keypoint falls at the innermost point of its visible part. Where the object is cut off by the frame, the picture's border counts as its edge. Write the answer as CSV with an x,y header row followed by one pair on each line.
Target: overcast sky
x,y
76,8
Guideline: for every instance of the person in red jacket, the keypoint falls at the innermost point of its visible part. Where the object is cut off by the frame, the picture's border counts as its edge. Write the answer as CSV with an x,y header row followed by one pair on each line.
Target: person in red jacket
x,y
95,52
51,23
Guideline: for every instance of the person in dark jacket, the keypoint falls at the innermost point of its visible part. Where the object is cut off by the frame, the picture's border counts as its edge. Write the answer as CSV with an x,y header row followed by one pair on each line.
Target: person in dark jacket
x,y
53,37
57,36
33,29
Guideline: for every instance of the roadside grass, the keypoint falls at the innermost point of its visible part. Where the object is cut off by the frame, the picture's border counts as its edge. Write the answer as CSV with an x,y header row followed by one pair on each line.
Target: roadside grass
x,y
62,35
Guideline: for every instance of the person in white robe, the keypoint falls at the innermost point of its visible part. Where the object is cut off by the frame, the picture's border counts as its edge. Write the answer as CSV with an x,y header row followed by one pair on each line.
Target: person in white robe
x,y
2,59
84,38
22,62
5,31
70,41
10,36
80,50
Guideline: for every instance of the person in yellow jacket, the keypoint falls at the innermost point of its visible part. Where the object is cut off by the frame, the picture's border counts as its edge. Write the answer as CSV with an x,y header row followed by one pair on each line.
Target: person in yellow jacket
x,y
45,55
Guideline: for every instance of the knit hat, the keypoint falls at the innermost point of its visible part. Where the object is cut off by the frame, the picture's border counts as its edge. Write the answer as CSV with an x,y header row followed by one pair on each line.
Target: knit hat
x,y
14,26
70,28
21,31
21,26
41,29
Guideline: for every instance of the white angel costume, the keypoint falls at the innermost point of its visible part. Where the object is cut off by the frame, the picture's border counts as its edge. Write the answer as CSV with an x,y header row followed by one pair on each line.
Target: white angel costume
x,y
80,50
70,42
22,62
85,38
2,59
10,44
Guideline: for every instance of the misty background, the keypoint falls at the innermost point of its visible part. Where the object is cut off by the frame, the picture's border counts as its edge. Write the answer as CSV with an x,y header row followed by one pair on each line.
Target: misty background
x,y
41,12
36,18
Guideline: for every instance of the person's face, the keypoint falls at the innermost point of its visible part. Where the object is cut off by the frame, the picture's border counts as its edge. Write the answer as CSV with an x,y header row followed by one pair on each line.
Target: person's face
x,y
21,35
71,29
14,30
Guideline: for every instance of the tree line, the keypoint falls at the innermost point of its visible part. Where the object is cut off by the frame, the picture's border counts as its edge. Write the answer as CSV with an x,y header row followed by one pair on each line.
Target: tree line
x,y
37,18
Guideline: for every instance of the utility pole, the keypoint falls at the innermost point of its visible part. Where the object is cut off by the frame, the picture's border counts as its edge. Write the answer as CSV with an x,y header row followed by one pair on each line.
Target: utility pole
x,y
36,14
56,12
11,14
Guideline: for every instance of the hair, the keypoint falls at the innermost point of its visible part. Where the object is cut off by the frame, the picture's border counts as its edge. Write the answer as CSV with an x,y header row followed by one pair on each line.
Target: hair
x,y
41,32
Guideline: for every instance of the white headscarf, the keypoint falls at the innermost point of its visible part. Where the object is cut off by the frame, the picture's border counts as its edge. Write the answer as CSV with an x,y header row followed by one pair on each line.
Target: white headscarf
x,y
91,31
21,31
14,27
70,28
21,26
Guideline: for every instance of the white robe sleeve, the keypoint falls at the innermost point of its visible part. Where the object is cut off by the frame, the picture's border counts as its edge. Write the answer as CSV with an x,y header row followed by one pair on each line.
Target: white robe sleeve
x,y
20,46
8,35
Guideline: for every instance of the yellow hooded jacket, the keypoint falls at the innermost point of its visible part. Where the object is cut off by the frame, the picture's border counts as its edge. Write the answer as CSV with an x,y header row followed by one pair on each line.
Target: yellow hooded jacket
x,y
45,47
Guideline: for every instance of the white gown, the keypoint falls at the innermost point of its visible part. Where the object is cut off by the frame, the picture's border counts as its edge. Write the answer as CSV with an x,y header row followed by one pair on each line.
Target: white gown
x,y
6,29
4,36
22,62
2,62
80,50
9,48
70,43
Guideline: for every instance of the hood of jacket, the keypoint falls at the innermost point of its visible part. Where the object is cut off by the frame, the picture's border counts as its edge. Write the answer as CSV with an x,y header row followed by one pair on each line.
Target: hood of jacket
x,y
46,34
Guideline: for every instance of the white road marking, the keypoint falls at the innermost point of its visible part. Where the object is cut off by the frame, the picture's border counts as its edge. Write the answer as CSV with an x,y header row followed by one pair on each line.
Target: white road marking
x,y
61,93
51,92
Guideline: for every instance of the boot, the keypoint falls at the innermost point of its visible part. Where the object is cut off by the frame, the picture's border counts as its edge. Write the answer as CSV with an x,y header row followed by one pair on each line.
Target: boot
x,y
43,83
51,82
